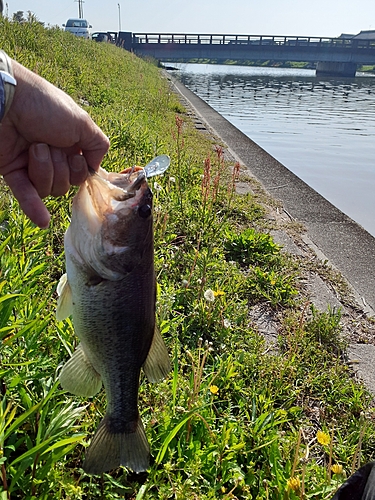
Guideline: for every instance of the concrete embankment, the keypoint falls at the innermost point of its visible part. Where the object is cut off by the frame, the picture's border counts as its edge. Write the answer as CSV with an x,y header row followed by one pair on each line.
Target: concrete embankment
x,y
332,235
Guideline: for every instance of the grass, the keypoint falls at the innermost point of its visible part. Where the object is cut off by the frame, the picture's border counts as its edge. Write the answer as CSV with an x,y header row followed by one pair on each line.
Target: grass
x,y
236,419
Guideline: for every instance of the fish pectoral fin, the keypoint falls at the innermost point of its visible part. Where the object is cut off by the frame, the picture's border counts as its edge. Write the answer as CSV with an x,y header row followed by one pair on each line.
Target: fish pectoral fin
x,y
157,364
108,450
78,376
64,302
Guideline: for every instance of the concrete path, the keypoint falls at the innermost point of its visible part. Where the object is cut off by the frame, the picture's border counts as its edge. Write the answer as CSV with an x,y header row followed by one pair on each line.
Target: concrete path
x,y
331,234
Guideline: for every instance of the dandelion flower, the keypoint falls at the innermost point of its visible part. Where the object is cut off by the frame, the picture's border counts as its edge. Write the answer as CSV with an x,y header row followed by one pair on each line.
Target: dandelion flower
x,y
293,483
157,187
226,323
209,295
218,293
214,389
323,438
337,469
172,179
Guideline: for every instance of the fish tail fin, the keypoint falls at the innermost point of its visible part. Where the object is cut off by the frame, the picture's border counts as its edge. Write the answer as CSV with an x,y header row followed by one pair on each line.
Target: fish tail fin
x,y
108,450
78,376
157,364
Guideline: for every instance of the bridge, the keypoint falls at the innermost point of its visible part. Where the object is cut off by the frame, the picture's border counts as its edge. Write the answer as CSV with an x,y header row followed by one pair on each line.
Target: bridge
x,y
334,56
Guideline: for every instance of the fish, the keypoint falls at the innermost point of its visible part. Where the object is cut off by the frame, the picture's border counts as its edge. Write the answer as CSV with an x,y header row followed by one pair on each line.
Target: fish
x,y
109,288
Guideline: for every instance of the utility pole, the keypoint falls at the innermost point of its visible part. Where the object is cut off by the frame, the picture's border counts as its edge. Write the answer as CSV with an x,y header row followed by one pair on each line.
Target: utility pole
x,y
119,17
80,8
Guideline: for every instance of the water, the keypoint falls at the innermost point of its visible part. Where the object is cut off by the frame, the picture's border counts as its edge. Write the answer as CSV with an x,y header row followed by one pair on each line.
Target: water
x,y
322,129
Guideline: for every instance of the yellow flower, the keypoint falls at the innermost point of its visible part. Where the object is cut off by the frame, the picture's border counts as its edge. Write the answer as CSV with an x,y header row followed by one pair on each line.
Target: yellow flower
x,y
336,469
219,292
214,389
293,483
323,438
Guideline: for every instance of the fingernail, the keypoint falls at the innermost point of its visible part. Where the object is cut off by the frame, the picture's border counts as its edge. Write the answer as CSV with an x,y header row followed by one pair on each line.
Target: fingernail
x,y
41,152
77,163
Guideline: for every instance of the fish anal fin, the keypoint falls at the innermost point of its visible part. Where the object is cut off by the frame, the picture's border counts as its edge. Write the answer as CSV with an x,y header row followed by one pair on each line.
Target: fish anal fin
x,y
108,450
157,364
78,376
64,302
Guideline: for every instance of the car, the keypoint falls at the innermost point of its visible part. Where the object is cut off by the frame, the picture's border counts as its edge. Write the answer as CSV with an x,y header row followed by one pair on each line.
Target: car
x,y
79,27
101,36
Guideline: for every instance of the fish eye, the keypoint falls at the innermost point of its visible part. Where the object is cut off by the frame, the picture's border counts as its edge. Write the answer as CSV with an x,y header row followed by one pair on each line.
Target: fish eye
x,y
144,211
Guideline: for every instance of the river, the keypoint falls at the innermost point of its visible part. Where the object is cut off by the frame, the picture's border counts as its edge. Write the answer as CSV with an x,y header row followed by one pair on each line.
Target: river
x,y
322,129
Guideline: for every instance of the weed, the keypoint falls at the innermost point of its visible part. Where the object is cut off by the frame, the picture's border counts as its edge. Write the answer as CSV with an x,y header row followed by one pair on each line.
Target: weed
x,y
233,420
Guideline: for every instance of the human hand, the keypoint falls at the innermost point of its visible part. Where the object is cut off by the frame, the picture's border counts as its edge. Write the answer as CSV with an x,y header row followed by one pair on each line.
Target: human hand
x,y
47,143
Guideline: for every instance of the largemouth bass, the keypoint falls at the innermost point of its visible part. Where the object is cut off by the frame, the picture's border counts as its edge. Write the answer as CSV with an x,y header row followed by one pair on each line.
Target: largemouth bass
x,y
109,288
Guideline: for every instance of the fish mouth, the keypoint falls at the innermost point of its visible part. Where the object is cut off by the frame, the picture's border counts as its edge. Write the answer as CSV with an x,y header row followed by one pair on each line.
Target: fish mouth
x,y
126,185
105,193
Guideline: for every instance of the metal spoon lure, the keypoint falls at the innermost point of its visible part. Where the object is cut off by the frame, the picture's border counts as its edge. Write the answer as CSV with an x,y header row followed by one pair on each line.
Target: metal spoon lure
x,y
157,166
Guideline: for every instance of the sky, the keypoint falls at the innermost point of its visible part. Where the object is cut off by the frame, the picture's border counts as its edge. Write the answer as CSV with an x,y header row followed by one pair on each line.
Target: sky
x,y
325,18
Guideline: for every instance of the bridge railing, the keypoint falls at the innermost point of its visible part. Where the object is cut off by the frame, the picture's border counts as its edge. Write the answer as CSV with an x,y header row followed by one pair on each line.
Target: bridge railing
x,y
285,41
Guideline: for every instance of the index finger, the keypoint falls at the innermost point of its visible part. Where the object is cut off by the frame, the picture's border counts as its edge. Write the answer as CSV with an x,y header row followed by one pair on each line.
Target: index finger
x,y
94,145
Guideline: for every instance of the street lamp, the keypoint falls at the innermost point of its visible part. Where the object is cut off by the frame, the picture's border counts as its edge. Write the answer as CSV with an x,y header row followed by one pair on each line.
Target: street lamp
x,y
119,17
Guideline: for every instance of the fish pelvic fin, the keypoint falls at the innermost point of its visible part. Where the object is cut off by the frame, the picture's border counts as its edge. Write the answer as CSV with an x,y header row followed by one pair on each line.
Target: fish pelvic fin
x,y
157,364
64,302
108,450
78,376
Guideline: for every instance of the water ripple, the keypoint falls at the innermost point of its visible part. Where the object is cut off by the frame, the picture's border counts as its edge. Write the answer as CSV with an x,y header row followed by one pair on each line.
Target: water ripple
x,y
323,129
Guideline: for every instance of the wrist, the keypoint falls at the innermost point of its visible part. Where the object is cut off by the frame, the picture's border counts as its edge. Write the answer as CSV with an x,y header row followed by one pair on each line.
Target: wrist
x,y
8,84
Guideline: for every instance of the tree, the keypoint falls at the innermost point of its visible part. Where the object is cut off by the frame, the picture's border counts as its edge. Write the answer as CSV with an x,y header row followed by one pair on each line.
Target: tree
x,y
18,16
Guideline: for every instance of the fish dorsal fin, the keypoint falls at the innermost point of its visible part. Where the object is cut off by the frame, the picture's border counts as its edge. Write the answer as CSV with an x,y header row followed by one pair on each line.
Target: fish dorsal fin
x,y
64,302
78,375
157,365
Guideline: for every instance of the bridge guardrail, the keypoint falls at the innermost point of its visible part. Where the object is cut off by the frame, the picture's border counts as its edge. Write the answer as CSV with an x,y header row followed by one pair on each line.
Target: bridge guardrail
x,y
285,41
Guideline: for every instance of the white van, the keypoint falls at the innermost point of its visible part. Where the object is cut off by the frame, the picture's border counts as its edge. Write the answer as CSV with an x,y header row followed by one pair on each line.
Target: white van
x,y
79,27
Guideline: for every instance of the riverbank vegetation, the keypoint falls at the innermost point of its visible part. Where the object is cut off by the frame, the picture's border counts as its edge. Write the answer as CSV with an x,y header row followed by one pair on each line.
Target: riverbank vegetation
x,y
238,417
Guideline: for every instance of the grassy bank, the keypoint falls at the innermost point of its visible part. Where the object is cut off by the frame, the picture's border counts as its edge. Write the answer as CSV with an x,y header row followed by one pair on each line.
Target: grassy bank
x,y
237,418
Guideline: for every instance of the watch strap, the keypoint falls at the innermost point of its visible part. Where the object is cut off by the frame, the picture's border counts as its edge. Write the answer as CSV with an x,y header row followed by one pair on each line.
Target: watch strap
x,y
8,81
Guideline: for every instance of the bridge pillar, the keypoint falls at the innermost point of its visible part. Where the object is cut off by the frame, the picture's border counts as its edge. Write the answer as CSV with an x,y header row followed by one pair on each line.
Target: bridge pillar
x,y
336,69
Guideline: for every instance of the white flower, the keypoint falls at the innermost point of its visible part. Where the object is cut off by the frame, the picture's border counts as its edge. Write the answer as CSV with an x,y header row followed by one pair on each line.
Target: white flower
x,y
184,283
157,187
226,323
209,295
172,179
